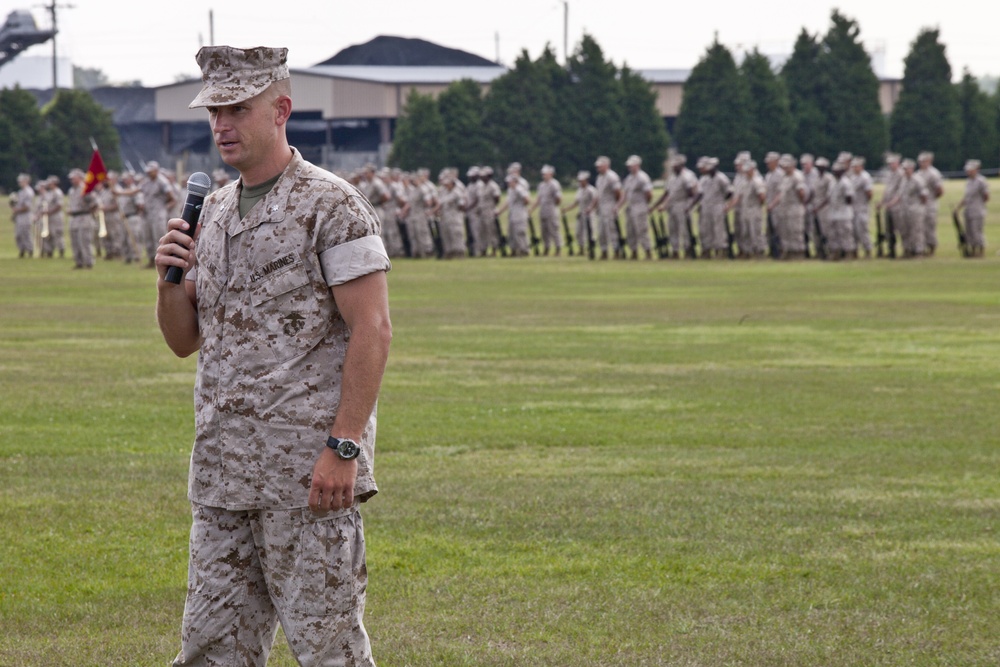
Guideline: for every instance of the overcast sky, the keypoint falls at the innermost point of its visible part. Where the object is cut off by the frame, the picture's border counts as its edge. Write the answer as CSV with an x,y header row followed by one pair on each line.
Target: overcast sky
x,y
156,43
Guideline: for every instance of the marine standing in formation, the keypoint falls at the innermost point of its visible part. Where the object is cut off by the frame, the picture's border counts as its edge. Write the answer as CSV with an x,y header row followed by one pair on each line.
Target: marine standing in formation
x,y
977,193
637,194
22,202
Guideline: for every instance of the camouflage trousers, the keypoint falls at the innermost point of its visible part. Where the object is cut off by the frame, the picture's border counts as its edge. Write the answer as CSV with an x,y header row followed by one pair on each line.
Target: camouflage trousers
x,y
862,229
248,569
81,237
637,228
678,224
551,235
974,223
930,225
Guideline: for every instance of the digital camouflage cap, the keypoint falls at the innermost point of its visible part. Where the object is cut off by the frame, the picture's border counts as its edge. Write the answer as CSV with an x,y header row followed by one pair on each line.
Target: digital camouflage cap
x,y
232,75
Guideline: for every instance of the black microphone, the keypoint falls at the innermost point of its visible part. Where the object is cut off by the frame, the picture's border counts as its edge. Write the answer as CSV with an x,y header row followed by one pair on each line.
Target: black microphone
x,y
198,186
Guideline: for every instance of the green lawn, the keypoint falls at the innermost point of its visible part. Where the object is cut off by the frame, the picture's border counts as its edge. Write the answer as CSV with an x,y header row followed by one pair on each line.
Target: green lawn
x,y
580,463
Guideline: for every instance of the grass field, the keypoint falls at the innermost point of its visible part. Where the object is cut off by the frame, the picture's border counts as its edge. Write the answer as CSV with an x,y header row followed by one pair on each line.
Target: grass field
x,y
581,463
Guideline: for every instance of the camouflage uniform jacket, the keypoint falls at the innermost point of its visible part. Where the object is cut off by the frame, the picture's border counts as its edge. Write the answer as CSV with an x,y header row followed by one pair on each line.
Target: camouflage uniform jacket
x,y
273,339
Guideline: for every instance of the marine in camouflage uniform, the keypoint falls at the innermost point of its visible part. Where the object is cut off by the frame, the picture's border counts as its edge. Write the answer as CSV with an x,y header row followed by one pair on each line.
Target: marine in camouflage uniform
x,y
609,198
585,196
862,205
912,199
114,223
714,190
158,197
820,202
810,177
82,207
56,207
746,203
977,193
934,183
517,204
472,210
678,197
788,209
893,181
420,199
637,193
130,202
21,204
547,201
287,308
840,213
488,197
450,209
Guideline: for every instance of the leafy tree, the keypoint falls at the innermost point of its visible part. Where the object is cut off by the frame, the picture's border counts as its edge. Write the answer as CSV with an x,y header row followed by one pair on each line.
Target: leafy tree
x,y
804,86
854,120
11,159
978,113
713,117
514,115
88,78
770,119
24,143
461,108
73,119
643,132
927,114
595,106
420,135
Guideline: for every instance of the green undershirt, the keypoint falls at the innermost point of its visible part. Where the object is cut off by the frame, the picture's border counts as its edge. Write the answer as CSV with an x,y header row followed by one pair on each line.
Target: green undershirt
x,y
250,196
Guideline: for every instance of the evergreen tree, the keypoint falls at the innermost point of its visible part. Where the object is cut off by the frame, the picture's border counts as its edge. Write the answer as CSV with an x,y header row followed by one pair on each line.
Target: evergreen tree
x,y
643,131
514,117
770,119
854,120
595,107
804,86
461,108
557,80
978,113
73,119
713,118
927,114
420,136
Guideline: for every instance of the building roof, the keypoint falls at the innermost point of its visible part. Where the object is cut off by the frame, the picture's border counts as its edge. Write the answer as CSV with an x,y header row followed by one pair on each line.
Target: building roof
x,y
387,50
407,74
664,75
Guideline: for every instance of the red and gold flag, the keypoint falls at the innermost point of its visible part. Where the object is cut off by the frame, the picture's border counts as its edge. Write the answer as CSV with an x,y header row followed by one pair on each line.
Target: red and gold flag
x,y
95,172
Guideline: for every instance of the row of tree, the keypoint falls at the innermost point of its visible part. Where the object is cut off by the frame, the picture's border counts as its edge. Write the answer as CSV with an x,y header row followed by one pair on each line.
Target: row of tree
x,y
823,100
54,138
539,112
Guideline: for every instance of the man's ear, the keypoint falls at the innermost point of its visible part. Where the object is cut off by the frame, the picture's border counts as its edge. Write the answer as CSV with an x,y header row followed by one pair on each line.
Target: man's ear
x,y
283,109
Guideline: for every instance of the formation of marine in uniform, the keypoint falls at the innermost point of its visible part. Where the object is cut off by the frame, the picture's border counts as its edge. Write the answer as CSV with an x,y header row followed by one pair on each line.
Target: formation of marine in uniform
x,y
793,209
121,218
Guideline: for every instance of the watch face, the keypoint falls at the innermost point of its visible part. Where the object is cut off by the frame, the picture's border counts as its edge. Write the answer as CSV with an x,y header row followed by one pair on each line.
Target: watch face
x,y
348,449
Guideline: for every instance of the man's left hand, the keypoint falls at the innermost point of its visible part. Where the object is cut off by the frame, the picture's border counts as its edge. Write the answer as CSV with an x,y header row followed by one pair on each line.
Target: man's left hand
x,y
332,482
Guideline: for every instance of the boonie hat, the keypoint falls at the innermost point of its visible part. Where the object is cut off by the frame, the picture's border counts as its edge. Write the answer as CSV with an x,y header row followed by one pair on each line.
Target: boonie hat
x,y
232,75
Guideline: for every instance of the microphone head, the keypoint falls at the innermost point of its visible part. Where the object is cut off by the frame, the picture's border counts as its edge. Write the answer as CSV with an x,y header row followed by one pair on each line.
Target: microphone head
x,y
199,183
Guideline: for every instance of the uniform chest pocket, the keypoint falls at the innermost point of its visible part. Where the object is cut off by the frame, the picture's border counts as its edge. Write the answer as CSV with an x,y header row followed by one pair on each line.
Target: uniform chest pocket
x,y
287,310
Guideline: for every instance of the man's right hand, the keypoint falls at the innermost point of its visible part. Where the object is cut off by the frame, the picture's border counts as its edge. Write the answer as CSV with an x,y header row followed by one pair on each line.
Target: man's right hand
x,y
176,248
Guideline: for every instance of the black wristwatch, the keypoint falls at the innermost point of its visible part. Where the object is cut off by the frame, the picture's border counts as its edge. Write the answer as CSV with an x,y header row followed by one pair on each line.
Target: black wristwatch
x,y
346,448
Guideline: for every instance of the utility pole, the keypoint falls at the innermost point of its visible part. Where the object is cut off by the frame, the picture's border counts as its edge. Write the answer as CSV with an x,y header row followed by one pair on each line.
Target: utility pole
x,y
52,7
566,32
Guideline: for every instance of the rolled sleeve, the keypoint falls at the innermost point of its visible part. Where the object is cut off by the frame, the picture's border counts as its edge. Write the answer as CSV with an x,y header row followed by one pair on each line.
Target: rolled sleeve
x,y
353,259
